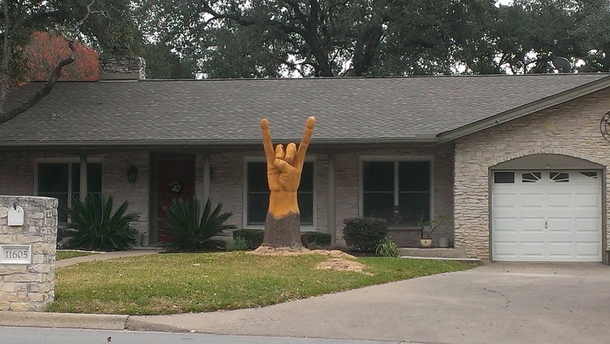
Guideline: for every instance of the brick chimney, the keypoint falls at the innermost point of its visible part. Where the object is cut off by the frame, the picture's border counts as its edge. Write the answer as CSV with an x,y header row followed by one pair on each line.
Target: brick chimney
x,y
122,68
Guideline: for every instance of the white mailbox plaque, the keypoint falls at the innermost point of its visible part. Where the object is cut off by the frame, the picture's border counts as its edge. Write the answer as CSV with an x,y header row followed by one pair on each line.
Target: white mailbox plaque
x,y
15,254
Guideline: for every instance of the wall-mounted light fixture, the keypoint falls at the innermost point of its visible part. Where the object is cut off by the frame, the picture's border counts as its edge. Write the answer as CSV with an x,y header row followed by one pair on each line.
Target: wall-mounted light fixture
x,y
132,174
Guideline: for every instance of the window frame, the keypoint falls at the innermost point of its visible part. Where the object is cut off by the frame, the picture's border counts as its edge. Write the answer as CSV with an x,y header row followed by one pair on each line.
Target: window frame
x,y
396,159
304,228
69,162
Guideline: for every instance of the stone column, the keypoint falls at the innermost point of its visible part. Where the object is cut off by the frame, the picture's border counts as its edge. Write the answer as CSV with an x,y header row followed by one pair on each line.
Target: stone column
x,y
28,234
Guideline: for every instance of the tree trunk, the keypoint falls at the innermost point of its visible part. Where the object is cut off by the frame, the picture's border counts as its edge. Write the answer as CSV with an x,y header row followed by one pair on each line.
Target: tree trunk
x,y
283,232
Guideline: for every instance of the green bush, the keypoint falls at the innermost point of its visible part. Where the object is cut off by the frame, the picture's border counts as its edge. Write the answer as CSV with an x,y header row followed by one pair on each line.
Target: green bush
x,y
364,233
93,226
387,248
191,228
253,236
237,244
318,238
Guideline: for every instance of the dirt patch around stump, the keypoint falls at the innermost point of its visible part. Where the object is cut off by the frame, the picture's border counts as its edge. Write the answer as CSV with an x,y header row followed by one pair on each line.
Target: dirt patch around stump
x,y
339,260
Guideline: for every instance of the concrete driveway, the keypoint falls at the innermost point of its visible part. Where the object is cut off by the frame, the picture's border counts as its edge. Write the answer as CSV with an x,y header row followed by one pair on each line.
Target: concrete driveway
x,y
495,303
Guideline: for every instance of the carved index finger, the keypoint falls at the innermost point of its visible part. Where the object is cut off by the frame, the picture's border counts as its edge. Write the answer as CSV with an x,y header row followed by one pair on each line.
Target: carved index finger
x,y
300,158
267,144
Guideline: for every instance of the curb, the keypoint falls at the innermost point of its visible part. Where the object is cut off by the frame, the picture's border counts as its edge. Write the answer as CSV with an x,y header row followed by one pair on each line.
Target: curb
x,y
64,320
138,323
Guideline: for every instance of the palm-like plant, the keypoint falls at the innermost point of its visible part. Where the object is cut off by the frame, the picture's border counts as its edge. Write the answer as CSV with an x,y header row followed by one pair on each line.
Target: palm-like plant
x,y
191,228
92,224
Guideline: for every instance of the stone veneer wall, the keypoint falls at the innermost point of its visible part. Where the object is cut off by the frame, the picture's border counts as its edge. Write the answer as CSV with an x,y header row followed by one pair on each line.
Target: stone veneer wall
x,y
29,287
571,129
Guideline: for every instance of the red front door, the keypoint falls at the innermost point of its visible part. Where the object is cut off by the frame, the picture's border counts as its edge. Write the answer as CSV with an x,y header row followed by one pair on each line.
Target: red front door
x,y
176,179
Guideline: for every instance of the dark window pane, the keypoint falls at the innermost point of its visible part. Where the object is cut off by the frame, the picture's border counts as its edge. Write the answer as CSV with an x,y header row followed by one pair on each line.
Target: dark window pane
x,y
560,177
378,176
377,204
414,203
306,208
52,178
53,182
414,175
257,176
306,178
258,204
504,177
94,178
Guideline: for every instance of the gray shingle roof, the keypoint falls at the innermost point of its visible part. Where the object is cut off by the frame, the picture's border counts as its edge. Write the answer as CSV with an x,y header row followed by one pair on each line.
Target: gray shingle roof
x,y
217,111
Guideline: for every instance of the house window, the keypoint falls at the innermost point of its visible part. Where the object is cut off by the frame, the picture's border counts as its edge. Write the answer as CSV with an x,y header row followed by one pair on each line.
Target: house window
x,y
257,198
62,181
398,191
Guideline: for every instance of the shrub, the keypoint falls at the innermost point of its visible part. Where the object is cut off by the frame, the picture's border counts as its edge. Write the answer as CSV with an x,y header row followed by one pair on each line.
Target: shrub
x,y
364,233
253,236
387,248
238,244
191,228
320,239
93,226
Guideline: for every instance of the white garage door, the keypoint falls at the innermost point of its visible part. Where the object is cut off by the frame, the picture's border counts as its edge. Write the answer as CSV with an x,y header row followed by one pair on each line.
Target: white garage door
x,y
546,216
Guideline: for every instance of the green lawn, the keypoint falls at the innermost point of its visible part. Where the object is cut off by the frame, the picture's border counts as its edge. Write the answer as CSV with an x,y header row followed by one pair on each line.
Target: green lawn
x,y
180,283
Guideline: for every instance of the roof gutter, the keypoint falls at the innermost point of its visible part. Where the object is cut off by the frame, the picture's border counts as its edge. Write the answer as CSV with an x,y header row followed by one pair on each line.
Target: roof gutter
x,y
525,110
160,143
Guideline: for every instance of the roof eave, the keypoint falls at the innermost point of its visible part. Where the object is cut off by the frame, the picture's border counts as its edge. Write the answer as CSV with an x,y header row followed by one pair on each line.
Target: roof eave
x,y
525,110
191,143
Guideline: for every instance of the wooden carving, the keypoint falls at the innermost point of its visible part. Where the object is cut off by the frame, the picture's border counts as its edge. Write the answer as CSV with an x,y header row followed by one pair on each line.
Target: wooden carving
x,y
284,167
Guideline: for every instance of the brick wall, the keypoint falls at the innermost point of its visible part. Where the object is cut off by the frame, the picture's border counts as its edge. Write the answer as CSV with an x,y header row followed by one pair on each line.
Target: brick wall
x,y
228,182
115,184
571,129
227,186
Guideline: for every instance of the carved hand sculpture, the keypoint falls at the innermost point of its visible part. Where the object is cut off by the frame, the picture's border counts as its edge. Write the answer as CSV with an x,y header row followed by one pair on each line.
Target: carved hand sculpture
x,y
284,170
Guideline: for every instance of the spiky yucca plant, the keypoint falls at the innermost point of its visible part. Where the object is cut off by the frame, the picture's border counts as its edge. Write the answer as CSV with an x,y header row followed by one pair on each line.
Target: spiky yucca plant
x,y
92,224
190,227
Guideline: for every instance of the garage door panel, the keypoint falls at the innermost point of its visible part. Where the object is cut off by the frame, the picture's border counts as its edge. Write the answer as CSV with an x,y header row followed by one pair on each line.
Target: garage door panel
x,y
587,200
505,250
532,249
561,250
531,200
558,200
564,225
547,216
587,225
531,225
505,224
507,199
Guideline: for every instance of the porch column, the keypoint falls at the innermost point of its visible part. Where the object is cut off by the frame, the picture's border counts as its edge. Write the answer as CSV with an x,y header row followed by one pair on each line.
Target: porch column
x,y
331,226
207,178
83,178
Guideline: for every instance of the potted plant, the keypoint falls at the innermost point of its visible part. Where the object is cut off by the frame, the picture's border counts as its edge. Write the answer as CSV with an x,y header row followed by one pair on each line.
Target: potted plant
x,y
427,229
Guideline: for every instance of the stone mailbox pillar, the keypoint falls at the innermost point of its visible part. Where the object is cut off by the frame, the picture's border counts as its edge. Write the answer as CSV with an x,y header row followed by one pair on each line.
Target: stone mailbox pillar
x,y
28,233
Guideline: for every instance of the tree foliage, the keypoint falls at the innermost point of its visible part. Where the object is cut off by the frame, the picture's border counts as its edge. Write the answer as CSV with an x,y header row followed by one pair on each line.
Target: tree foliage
x,y
105,25
271,38
46,49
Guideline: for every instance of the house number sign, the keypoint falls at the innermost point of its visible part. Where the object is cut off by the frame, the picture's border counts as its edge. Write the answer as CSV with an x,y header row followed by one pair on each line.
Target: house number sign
x,y
15,254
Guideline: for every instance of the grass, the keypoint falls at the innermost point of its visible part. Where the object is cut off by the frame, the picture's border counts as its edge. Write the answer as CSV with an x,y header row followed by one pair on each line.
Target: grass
x,y
59,255
204,282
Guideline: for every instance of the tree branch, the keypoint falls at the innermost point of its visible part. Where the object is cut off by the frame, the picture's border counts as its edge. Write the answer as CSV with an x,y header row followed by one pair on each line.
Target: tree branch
x,y
54,77
44,91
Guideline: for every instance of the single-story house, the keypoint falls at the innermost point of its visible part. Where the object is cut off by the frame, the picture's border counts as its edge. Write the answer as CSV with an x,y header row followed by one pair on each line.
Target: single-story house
x,y
518,163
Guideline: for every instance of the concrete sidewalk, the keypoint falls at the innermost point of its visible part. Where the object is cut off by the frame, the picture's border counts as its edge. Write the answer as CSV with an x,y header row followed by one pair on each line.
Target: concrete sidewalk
x,y
494,303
